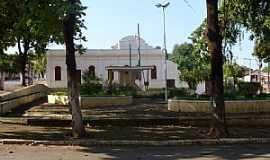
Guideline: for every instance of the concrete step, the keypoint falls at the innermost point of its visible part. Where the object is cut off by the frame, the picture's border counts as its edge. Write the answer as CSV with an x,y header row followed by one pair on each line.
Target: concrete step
x,y
184,121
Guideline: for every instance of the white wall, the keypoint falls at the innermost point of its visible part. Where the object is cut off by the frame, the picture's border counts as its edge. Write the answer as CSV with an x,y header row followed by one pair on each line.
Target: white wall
x,y
114,57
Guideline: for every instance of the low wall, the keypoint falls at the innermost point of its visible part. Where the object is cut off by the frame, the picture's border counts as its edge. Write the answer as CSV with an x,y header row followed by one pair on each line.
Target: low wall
x,y
88,102
248,106
22,96
38,88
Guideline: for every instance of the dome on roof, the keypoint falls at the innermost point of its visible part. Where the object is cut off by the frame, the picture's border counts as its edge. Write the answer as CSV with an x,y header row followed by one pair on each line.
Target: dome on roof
x,y
131,41
131,38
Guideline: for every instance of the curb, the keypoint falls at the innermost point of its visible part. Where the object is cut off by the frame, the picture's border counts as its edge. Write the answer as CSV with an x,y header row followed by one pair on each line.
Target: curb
x,y
84,142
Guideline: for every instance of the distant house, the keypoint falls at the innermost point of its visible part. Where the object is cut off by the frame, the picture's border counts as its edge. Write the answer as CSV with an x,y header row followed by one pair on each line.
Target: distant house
x,y
116,64
254,77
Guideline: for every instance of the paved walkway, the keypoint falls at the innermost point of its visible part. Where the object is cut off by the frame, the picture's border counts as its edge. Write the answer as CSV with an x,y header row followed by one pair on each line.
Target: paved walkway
x,y
18,152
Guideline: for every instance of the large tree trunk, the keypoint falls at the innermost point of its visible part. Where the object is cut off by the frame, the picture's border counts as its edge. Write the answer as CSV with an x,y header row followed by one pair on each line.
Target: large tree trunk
x,y
73,90
218,128
23,59
2,80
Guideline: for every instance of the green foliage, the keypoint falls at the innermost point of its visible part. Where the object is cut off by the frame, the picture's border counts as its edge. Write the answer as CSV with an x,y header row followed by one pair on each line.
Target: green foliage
x,y
262,49
180,92
89,76
93,88
91,84
248,89
230,91
7,19
266,69
9,63
39,62
117,90
232,71
255,17
192,63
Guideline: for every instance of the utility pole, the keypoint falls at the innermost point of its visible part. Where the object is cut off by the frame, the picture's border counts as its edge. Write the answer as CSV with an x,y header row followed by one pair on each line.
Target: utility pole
x,y
268,79
139,46
129,54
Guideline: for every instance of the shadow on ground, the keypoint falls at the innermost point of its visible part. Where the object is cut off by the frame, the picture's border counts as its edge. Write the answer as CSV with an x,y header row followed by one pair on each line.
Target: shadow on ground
x,y
234,152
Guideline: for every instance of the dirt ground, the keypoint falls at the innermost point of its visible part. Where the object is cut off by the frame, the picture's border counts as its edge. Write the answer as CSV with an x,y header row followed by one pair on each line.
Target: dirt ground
x,y
228,152
12,131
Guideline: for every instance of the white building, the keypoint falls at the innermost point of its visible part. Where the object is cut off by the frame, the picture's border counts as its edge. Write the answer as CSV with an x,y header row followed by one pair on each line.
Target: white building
x,y
261,77
119,55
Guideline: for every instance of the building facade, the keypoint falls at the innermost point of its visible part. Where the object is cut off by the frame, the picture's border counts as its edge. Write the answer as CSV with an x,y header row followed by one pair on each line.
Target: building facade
x,y
259,77
124,53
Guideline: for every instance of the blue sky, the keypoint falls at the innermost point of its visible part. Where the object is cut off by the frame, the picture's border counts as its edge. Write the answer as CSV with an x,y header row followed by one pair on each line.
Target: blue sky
x,y
110,20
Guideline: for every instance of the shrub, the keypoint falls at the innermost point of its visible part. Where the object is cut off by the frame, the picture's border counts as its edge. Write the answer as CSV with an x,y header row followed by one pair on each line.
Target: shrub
x,y
117,90
91,85
179,92
230,91
248,89
91,88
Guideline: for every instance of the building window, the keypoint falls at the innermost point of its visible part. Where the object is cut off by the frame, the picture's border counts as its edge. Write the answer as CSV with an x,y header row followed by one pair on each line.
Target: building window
x,y
92,71
154,73
57,73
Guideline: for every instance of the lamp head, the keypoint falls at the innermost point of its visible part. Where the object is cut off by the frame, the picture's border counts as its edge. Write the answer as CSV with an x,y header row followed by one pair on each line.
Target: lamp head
x,y
158,5
166,4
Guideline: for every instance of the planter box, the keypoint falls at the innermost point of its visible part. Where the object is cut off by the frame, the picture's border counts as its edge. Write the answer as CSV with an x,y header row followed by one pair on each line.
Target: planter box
x,y
245,106
88,102
54,99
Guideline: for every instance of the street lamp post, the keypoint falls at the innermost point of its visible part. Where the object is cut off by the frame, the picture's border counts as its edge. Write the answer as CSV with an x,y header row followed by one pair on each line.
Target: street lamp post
x,y
164,6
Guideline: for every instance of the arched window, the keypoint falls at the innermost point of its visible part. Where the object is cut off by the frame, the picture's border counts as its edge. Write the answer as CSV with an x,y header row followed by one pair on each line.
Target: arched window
x,y
57,73
92,71
154,73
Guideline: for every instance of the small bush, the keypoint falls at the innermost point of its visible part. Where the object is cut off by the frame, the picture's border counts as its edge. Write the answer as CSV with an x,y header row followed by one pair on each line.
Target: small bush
x,y
178,92
248,89
230,91
91,88
91,85
117,90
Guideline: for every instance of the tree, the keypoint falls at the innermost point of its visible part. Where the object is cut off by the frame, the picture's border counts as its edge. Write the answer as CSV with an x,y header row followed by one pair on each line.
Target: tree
x,y
3,64
36,25
7,18
219,128
232,70
8,66
191,64
266,69
253,15
71,29
39,62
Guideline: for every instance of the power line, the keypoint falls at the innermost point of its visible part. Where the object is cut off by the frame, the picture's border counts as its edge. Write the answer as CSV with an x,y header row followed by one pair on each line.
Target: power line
x,y
189,5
